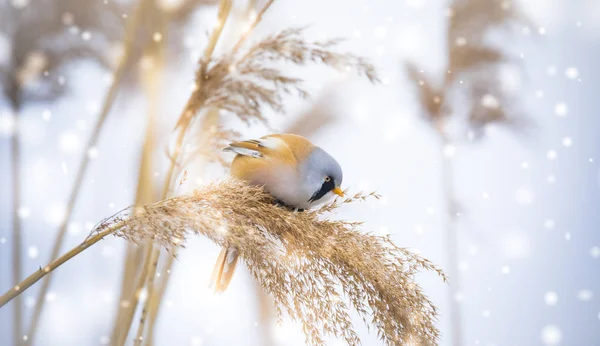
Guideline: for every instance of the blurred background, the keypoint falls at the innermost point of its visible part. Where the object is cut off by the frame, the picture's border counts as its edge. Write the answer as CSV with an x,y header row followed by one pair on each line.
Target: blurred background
x,y
482,137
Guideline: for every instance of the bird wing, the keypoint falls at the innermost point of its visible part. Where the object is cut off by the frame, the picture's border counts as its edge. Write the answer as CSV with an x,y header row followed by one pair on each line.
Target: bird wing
x,y
299,146
272,147
262,156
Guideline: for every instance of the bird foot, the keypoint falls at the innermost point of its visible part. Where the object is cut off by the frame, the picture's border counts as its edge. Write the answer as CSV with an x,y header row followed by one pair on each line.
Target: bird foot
x,y
288,207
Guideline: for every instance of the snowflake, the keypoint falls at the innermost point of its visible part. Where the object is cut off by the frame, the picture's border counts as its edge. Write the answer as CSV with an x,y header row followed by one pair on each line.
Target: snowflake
x,y
571,73
551,335
50,296
33,252
46,115
24,212
561,109
69,143
551,298
490,102
585,295
595,252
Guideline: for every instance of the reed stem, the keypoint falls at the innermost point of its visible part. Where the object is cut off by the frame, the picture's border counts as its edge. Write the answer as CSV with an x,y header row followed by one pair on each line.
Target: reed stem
x,y
128,43
451,240
17,237
151,263
16,290
146,191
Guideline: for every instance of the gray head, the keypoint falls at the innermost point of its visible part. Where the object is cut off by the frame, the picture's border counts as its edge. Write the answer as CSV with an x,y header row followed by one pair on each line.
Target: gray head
x,y
322,176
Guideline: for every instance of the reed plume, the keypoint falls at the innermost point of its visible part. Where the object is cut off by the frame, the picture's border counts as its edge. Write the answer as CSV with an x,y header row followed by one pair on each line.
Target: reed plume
x,y
309,264
473,73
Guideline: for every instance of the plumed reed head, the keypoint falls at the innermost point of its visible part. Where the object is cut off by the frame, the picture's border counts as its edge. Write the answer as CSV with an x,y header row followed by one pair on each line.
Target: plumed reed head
x,y
45,36
315,269
244,83
473,62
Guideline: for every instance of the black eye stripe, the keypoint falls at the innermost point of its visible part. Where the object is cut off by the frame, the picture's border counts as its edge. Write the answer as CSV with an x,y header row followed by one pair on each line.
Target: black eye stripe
x,y
325,188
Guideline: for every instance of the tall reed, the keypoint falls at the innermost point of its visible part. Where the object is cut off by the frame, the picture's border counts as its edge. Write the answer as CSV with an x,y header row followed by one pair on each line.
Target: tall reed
x,y
472,72
128,43
31,75
146,193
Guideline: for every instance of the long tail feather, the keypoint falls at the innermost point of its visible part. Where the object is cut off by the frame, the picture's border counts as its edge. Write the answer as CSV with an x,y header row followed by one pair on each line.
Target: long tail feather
x,y
224,269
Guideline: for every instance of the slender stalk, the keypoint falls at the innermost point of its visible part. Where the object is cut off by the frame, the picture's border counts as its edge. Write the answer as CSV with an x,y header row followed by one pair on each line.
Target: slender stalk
x,y
212,119
17,237
253,25
128,320
451,240
150,291
265,314
150,263
119,73
16,290
224,9
151,83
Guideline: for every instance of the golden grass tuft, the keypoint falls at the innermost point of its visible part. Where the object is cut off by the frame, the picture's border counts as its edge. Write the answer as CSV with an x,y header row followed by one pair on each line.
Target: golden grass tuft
x,y
310,265
243,83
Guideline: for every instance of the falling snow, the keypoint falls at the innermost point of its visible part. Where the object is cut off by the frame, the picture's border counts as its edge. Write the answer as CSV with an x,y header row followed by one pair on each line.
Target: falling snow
x,y
550,298
551,335
561,109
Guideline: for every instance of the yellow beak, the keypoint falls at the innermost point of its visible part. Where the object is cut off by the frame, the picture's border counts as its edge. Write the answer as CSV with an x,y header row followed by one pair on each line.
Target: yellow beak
x,y
338,191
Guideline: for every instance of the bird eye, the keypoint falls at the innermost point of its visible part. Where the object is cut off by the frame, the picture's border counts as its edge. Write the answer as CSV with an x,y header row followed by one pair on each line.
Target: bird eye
x,y
327,179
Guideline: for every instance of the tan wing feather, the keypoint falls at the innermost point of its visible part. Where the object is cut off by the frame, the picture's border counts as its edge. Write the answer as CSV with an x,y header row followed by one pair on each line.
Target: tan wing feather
x,y
298,145
287,150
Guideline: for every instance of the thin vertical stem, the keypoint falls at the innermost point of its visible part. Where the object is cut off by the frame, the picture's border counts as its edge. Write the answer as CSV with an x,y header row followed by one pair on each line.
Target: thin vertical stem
x,y
17,237
224,10
150,291
146,191
150,263
141,283
451,240
119,73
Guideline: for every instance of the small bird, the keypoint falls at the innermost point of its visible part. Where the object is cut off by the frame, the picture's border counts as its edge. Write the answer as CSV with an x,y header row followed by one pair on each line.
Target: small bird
x,y
297,173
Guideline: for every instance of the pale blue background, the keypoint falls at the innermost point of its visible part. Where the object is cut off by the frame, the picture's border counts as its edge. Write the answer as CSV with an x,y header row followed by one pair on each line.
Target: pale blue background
x,y
382,144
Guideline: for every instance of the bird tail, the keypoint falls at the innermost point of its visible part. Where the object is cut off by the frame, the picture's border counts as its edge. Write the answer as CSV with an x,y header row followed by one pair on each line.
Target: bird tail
x,y
224,269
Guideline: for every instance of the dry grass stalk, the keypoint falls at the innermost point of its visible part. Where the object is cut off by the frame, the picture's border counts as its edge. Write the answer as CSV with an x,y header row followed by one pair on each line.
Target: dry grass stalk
x,y
119,73
31,32
43,39
166,19
310,265
211,137
146,191
151,263
475,62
